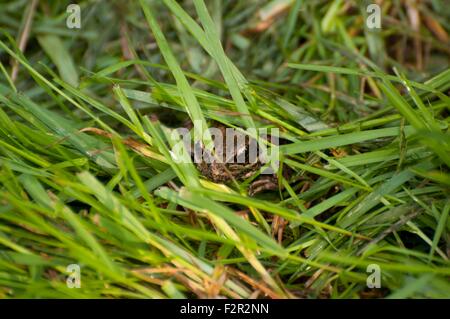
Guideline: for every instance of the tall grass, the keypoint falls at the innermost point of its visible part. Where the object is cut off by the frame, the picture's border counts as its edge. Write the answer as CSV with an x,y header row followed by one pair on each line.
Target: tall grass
x,y
87,176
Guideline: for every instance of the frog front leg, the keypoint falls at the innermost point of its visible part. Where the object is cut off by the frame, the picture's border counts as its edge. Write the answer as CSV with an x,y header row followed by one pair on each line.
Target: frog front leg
x,y
263,183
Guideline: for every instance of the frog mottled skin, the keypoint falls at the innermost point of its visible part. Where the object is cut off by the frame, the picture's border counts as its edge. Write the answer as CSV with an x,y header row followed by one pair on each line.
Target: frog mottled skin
x,y
224,170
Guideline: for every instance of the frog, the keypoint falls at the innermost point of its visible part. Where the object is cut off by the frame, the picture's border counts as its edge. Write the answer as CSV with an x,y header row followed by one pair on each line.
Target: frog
x,y
226,168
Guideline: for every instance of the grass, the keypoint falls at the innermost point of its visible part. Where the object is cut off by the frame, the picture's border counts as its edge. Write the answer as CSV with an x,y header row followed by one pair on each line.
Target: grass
x,y
87,176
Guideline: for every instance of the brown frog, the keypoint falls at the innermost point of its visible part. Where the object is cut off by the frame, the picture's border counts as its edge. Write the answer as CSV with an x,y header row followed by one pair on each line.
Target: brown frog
x,y
235,163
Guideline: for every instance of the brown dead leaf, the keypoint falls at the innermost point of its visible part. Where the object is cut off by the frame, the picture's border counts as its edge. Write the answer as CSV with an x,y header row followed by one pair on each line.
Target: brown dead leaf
x,y
436,28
